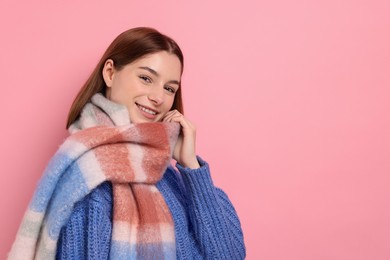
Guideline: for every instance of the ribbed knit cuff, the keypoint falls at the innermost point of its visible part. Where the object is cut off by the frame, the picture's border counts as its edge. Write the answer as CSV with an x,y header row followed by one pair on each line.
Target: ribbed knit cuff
x,y
197,180
204,166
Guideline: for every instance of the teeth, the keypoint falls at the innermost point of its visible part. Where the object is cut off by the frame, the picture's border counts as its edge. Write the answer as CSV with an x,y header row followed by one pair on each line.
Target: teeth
x,y
147,110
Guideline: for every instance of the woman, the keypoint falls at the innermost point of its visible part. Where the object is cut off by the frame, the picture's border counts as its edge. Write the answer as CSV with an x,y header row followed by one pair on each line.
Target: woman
x,y
110,192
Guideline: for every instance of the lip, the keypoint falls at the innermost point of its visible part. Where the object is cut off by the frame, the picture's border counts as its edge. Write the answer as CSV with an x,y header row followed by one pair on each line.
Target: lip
x,y
145,114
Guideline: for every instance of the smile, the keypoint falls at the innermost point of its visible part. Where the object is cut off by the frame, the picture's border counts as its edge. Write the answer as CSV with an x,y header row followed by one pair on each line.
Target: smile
x,y
147,110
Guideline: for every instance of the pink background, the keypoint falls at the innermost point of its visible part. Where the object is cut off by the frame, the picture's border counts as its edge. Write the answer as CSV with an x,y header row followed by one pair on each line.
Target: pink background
x,y
291,100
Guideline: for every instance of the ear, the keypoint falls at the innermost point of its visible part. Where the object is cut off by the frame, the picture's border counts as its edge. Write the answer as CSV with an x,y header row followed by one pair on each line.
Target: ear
x,y
108,72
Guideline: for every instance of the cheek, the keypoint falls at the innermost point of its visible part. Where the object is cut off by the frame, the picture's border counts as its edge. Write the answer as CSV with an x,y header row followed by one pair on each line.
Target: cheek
x,y
169,103
127,92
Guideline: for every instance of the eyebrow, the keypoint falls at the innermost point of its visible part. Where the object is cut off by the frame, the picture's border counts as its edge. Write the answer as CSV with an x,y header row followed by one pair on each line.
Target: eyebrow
x,y
158,75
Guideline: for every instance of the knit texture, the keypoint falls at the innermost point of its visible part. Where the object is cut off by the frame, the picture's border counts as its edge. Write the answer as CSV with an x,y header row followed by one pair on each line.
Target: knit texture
x,y
206,223
104,147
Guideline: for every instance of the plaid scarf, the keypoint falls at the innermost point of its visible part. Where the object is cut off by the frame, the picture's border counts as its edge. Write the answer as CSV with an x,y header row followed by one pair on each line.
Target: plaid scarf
x,y
104,146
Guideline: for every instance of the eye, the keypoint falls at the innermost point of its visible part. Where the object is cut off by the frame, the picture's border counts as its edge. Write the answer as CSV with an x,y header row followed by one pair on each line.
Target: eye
x,y
145,78
170,89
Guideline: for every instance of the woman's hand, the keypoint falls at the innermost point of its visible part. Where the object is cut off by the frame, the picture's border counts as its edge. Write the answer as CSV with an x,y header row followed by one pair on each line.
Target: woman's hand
x,y
184,152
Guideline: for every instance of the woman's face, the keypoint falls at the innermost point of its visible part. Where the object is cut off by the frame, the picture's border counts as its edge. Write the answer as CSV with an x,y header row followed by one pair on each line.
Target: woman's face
x,y
146,86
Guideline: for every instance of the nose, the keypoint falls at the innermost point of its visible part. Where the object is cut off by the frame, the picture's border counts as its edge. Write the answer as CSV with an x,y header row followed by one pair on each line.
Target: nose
x,y
156,97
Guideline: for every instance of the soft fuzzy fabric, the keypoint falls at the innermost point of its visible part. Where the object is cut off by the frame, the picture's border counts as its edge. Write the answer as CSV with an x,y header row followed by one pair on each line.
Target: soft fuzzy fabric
x,y
104,146
206,223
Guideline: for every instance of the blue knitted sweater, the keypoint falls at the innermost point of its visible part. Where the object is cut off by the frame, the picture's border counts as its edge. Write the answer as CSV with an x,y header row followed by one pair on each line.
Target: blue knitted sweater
x,y
206,224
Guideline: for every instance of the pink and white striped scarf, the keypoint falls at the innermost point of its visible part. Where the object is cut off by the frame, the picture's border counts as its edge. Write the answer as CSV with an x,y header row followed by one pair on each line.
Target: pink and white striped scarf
x,y
104,146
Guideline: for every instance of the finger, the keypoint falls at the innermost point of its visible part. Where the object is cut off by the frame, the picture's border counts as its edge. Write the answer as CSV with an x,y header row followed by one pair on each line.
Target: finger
x,y
171,116
176,116
167,117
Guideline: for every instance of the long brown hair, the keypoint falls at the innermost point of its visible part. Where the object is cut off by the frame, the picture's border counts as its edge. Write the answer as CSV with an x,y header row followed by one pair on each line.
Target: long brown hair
x,y
125,49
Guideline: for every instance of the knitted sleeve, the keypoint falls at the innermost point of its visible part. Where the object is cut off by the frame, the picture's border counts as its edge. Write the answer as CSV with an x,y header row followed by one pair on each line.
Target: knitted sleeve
x,y
87,234
217,228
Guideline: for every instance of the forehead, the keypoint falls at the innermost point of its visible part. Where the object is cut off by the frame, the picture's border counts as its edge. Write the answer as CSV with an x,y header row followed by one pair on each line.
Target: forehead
x,y
164,63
